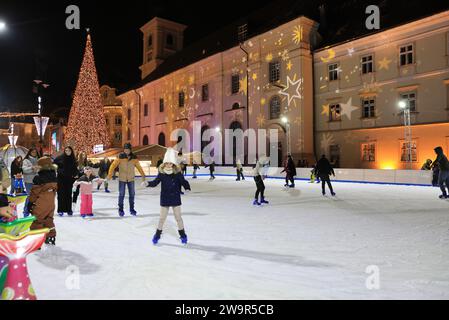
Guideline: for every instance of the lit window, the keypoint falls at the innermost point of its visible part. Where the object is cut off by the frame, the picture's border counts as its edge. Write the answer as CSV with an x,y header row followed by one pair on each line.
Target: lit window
x,y
406,153
406,55
369,152
334,112
368,108
275,71
333,71
410,100
367,64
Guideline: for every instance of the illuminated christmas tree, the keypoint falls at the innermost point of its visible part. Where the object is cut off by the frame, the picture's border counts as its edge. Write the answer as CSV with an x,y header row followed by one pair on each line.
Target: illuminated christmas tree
x,y
87,124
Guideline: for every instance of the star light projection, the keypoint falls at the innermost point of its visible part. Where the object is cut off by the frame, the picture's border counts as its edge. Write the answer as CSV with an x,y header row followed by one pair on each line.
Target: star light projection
x,y
87,123
347,108
384,64
292,90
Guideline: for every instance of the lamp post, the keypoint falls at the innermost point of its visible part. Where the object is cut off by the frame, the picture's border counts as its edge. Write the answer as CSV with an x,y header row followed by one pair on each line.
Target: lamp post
x,y
40,122
408,132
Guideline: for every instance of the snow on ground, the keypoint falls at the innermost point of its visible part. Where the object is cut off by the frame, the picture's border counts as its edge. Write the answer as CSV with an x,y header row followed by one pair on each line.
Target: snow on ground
x,y
301,246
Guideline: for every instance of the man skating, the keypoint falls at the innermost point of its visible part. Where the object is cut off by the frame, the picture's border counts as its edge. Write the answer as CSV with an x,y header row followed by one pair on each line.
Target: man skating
x,y
443,176
324,170
127,162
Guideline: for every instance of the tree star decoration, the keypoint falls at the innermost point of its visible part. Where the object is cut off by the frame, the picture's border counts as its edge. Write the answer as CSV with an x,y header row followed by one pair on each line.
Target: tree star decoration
x,y
292,90
297,34
347,108
384,64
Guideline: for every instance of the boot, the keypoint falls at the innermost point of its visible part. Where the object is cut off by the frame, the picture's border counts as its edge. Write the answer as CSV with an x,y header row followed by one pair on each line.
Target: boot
x,y
157,236
256,202
133,212
107,190
183,236
61,214
121,212
263,201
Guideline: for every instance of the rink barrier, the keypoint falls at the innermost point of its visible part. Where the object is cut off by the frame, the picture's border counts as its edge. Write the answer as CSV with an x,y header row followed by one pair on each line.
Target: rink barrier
x,y
419,178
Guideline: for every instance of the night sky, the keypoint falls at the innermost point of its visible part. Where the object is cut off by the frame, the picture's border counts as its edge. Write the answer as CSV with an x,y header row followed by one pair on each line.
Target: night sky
x,y
37,44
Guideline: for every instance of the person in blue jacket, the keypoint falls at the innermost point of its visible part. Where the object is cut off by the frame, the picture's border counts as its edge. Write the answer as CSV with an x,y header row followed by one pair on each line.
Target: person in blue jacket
x,y
171,179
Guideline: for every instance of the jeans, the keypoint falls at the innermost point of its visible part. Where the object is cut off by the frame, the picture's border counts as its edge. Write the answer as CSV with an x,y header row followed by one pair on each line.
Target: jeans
x,y
443,181
131,190
28,187
260,187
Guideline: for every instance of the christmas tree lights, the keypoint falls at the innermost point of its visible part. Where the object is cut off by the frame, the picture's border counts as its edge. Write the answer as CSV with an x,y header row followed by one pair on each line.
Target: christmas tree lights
x,y
87,123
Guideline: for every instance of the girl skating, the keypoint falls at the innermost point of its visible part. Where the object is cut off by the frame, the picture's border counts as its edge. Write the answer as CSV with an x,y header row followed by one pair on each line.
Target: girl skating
x,y
259,172
171,179
290,170
85,184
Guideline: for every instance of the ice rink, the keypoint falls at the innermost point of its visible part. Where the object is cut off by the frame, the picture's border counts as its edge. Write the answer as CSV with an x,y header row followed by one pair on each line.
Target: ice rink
x,y
300,246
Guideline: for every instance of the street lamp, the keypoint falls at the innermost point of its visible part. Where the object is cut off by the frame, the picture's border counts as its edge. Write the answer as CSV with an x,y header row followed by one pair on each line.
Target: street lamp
x,y
284,120
39,121
2,26
408,132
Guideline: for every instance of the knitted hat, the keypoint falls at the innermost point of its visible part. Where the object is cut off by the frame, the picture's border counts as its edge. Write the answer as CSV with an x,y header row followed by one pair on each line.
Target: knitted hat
x,y
4,202
171,156
45,163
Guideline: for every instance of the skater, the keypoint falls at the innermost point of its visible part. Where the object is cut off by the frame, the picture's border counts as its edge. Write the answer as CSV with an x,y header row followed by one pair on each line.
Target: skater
x,y
82,162
171,180
195,168
86,183
435,174
42,198
30,169
443,176
258,179
182,163
16,168
103,171
324,170
67,174
290,170
127,162
19,185
313,175
6,212
239,168
427,165
211,170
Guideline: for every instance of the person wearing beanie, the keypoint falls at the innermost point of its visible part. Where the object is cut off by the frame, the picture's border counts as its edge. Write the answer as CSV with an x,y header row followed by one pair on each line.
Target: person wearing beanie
x,y
42,198
127,163
171,179
443,176
6,212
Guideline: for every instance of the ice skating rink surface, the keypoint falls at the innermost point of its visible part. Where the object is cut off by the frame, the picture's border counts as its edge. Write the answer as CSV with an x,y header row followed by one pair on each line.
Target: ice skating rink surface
x,y
300,246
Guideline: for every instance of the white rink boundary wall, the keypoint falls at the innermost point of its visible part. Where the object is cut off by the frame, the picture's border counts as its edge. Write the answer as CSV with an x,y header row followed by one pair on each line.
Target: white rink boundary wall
x,y
399,177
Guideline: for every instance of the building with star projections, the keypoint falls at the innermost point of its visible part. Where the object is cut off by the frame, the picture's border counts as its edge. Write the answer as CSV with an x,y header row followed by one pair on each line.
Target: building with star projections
x,y
340,99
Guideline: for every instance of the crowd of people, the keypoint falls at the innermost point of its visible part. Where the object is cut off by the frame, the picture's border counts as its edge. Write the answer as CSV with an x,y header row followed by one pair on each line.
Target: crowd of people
x,y
69,177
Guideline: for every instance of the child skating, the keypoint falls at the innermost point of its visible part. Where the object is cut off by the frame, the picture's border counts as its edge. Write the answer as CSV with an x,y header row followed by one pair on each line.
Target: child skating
x,y
171,179
259,173
86,184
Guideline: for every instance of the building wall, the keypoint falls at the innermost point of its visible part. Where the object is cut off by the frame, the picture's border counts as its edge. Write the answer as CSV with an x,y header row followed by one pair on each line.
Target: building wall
x,y
280,44
427,78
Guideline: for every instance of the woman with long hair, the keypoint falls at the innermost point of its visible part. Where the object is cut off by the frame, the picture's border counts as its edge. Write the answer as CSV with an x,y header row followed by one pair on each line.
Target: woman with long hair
x,y
67,174
30,170
16,169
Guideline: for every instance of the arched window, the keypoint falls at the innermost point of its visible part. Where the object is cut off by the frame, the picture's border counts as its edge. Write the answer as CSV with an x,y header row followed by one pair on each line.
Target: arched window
x,y
234,126
161,139
170,40
145,141
275,107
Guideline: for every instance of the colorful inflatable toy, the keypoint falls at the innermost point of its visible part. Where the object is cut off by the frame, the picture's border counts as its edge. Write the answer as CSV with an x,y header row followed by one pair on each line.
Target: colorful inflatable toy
x,y
17,283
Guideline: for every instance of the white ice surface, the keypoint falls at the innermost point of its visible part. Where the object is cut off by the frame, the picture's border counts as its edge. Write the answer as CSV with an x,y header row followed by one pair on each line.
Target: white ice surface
x,y
300,246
